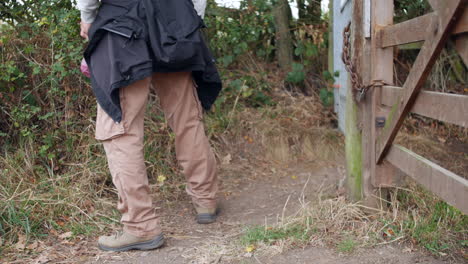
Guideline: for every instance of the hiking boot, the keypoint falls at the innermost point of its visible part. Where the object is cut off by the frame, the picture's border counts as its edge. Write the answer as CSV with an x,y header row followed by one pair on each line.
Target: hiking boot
x,y
123,241
206,215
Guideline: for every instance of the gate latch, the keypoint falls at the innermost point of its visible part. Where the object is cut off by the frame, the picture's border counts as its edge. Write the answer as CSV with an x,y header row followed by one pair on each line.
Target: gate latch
x,y
380,121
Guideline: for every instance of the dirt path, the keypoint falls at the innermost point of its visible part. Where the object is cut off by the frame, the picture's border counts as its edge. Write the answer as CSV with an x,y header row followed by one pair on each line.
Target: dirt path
x,y
255,195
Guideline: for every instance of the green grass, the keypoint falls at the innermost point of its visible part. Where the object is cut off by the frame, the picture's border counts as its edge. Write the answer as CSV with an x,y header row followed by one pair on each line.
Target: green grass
x,y
432,223
415,215
269,235
36,197
347,245
429,231
72,190
18,218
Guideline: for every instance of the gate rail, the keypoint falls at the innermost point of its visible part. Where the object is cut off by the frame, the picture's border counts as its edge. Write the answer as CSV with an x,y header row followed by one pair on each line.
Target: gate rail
x,y
381,157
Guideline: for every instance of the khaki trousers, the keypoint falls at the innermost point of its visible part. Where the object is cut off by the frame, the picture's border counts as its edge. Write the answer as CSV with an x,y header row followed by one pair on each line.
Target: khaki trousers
x,y
123,143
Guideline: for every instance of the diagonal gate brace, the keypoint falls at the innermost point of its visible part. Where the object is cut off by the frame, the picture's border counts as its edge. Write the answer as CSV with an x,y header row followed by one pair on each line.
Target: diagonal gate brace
x,y
448,13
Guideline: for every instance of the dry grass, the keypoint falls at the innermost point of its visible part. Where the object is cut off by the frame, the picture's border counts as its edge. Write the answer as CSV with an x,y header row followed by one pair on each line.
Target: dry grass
x,y
41,200
317,222
413,217
410,216
444,144
345,226
295,128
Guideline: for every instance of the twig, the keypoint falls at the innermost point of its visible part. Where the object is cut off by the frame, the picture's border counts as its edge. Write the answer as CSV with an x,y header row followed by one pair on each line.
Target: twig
x,y
255,257
389,242
218,259
284,209
234,107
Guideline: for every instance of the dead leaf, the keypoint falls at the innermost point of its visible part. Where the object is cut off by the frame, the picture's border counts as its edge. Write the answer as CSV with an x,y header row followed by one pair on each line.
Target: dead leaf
x,y
53,232
65,235
21,244
248,255
407,249
33,245
227,159
43,258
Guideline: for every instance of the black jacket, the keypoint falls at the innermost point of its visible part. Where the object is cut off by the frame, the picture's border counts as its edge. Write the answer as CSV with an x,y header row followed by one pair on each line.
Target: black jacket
x,y
132,39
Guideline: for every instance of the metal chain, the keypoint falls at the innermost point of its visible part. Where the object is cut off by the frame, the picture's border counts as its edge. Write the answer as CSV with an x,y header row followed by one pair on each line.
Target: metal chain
x,y
359,90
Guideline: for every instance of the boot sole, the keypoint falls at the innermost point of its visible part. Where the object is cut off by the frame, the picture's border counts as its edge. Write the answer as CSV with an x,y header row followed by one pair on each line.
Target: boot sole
x,y
207,218
147,245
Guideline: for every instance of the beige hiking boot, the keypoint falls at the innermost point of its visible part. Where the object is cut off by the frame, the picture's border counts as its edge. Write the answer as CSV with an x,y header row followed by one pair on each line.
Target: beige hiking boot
x,y
123,241
206,215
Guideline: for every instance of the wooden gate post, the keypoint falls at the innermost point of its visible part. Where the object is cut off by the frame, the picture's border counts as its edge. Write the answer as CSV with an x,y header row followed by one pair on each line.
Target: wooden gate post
x,y
380,68
384,174
372,50
372,63
353,123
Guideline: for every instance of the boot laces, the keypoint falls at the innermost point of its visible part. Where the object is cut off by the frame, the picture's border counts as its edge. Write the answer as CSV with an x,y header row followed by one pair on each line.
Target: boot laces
x,y
118,234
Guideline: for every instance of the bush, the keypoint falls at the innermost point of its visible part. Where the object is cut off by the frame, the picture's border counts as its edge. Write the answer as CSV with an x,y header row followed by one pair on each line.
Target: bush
x,y
53,173
234,32
40,84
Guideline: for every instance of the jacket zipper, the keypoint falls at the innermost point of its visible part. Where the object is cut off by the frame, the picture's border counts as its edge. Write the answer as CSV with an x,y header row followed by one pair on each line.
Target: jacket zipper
x,y
117,32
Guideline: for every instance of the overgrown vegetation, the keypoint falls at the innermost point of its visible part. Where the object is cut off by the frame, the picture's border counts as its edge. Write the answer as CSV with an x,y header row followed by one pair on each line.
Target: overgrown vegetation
x,y
427,221
269,235
54,176
411,217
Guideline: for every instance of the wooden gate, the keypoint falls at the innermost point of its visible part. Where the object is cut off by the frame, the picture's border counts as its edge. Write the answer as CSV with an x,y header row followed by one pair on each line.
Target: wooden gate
x,y
374,38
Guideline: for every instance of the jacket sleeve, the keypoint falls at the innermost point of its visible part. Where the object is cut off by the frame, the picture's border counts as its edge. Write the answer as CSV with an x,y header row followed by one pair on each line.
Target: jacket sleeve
x,y
88,10
200,6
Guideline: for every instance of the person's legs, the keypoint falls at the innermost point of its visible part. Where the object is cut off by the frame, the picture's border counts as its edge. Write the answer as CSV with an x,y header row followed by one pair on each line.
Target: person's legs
x,y
123,143
183,111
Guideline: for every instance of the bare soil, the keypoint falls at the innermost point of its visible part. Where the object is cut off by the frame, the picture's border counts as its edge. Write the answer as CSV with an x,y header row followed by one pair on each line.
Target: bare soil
x,y
255,194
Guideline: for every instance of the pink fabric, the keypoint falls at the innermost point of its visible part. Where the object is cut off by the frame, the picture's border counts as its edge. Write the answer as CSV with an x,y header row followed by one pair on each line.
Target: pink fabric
x,y
84,68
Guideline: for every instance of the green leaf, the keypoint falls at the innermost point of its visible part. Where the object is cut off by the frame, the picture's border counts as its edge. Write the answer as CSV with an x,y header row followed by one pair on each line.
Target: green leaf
x,y
297,75
326,97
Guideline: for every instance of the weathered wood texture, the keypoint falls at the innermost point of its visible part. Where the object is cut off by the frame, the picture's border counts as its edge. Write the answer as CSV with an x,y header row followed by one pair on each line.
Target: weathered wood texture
x,y
416,29
447,17
451,108
462,25
374,62
461,44
354,144
381,69
450,187
410,31
435,4
461,41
